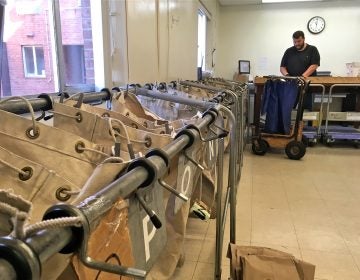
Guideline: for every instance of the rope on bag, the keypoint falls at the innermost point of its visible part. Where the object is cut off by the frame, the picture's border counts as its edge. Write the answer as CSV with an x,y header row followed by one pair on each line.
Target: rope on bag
x,y
68,192
92,150
128,139
65,115
52,223
22,172
29,106
72,96
114,134
113,160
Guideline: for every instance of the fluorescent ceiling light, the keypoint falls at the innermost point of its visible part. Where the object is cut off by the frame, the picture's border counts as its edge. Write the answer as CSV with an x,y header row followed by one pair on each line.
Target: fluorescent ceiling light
x,y
285,1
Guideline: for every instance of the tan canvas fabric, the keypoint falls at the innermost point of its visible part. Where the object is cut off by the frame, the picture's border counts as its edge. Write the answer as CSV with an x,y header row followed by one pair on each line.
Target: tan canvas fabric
x,y
98,129
127,104
258,263
54,148
40,188
115,115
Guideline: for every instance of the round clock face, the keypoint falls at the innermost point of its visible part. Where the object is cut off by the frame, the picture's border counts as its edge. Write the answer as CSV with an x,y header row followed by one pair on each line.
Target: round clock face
x,y
316,25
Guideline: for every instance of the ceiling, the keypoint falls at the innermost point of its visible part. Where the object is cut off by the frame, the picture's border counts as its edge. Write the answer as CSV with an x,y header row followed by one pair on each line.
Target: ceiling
x,y
239,2
246,2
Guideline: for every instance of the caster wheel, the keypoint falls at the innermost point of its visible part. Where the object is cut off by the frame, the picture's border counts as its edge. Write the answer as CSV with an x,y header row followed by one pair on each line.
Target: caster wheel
x,y
295,150
260,147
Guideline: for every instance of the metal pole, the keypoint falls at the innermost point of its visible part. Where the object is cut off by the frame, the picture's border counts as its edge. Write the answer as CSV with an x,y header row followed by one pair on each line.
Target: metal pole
x,y
234,145
219,190
44,104
6,270
197,85
321,105
44,243
174,98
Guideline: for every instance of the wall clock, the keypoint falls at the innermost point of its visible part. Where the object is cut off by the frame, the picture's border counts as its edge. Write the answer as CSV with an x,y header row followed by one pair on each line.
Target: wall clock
x,y
316,25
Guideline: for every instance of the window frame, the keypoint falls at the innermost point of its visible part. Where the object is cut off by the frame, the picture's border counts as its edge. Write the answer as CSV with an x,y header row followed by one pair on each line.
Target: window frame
x,y
26,73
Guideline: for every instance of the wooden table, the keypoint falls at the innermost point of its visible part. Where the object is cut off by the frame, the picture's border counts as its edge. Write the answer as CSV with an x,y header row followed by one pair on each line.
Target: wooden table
x,y
326,81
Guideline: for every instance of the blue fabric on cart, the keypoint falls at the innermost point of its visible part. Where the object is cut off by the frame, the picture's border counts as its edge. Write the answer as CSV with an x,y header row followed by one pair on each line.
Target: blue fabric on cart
x,y
279,99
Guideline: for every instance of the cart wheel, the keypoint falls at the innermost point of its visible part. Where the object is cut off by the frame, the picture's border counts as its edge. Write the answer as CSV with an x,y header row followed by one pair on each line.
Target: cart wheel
x,y
329,142
295,150
259,147
356,144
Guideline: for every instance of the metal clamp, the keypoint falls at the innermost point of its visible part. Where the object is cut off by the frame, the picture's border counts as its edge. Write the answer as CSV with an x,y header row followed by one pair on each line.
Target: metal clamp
x,y
63,95
159,153
166,159
21,257
150,168
189,133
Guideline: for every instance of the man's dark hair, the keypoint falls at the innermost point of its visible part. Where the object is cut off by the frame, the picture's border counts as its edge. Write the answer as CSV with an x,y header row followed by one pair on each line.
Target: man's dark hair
x,y
298,34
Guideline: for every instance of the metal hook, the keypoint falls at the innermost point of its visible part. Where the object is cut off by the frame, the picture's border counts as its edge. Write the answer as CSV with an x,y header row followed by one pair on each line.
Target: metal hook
x,y
103,266
80,100
172,190
194,162
39,118
153,217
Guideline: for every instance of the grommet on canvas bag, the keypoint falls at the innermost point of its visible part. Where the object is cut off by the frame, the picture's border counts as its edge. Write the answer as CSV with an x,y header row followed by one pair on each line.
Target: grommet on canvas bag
x,y
148,141
61,195
28,172
34,131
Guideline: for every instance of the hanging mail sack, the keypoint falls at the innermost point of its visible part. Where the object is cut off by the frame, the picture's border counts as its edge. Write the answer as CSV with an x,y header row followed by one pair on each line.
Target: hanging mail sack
x,y
115,115
127,104
105,131
70,156
177,212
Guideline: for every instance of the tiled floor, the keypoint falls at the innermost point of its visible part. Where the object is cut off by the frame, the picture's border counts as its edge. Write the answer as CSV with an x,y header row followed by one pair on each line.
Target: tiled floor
x,y
309,208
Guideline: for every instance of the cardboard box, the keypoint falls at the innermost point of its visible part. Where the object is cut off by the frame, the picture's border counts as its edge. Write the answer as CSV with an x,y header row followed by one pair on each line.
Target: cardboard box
x,y
242,78
259,263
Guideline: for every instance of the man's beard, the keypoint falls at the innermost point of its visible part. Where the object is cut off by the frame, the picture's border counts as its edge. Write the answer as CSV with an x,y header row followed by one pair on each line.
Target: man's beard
x,y
300,47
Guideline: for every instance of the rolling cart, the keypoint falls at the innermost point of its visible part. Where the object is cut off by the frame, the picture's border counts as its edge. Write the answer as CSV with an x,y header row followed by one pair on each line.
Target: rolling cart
x,y
312,135
292,142
333,133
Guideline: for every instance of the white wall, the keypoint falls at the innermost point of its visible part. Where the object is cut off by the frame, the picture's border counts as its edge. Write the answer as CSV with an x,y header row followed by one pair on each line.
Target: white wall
x,y
261,33
156,40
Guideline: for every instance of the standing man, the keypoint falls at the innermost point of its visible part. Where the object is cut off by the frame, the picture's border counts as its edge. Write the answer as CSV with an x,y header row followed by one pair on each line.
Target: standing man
x,y
301,60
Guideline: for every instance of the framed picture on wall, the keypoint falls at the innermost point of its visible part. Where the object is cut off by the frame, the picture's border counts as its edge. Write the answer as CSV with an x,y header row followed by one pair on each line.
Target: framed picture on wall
x,y
244,66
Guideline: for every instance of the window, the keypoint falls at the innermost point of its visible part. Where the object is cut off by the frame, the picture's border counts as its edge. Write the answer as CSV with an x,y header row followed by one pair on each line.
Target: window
x,y
49,39
74,64
33,58
201,39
